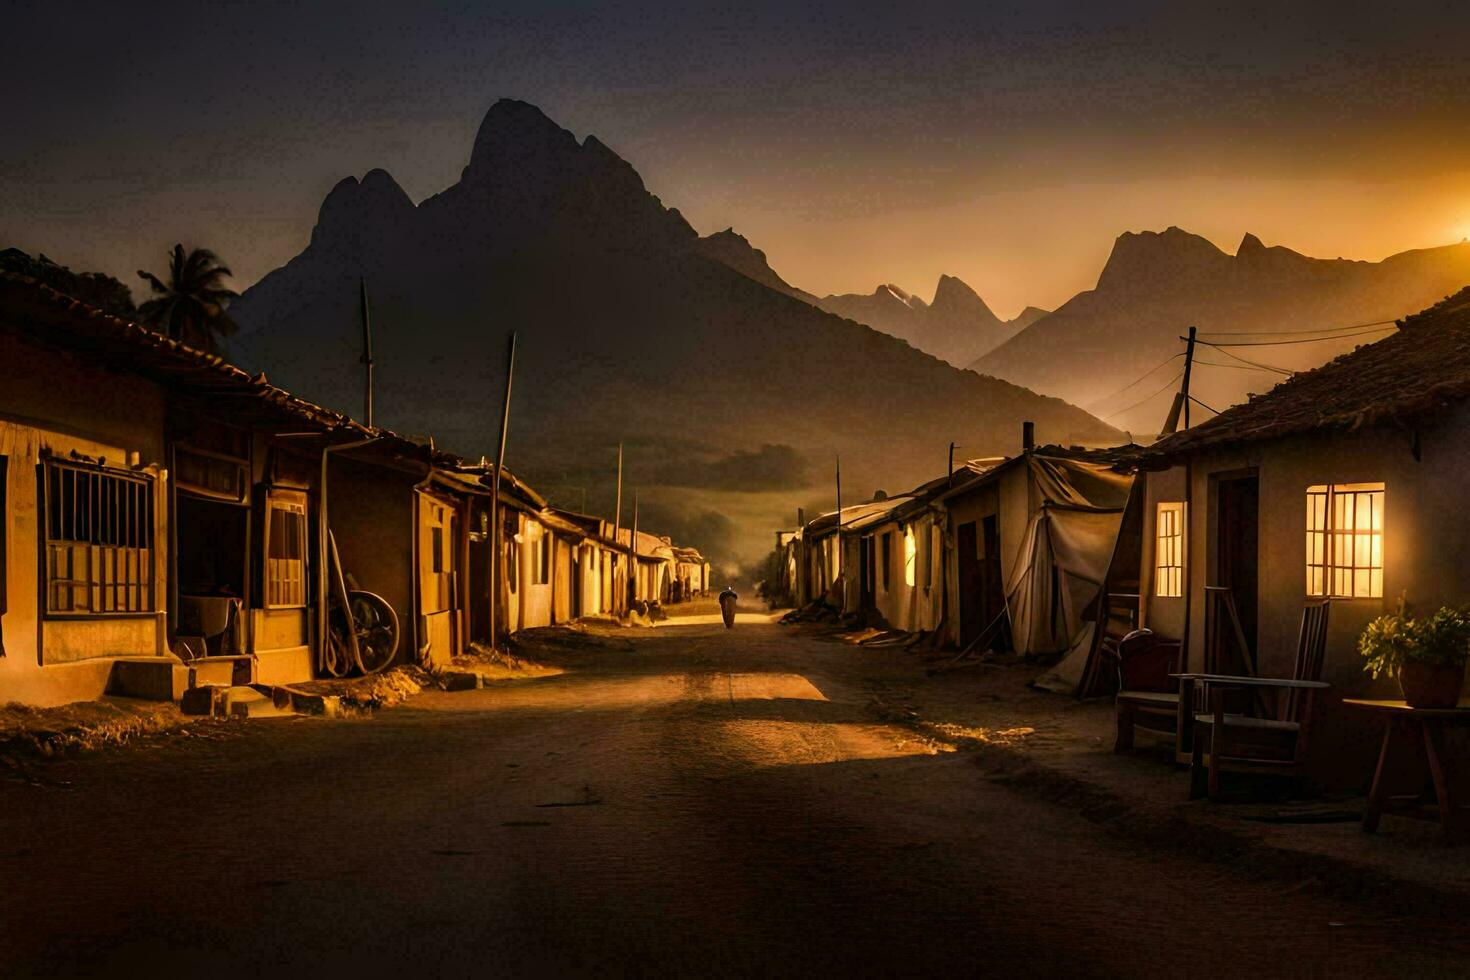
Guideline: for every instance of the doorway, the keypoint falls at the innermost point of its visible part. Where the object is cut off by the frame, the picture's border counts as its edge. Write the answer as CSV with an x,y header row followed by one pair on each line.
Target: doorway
x,y
1237,541
982,598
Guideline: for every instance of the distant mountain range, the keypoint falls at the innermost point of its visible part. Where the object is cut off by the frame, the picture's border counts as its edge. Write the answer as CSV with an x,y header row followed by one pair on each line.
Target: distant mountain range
x,y
1155,285
731,391
956,327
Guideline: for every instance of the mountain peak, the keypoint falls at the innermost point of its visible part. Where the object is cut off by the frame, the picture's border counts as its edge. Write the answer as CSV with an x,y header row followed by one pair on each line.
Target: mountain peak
x,y
954,297
355,208
1249,245
1170,260
734,250
517,134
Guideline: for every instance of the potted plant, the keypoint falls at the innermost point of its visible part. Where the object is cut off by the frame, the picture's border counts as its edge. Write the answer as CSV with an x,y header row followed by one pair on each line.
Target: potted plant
x,y
1427,654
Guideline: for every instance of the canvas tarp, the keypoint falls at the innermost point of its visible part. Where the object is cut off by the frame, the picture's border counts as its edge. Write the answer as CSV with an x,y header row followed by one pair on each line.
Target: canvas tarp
x,y
1069,538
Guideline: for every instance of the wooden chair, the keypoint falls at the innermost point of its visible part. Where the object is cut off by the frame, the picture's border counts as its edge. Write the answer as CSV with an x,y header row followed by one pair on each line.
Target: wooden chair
x,y
1118,617
1270,742
1148,697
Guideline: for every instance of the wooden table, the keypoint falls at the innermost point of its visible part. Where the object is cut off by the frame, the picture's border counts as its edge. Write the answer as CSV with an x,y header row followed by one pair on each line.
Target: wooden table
x,y
1422,727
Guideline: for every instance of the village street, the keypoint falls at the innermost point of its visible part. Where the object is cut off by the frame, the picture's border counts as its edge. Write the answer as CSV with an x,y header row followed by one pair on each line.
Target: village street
x,y
686,799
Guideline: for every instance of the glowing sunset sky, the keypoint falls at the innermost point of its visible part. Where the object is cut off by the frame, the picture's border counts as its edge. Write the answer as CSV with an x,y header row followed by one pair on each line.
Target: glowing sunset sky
x,y
1007,144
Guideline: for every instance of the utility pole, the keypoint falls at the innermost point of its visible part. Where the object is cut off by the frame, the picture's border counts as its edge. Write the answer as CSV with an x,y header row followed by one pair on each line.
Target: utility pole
x,y
618,514
496,531
633,555
367,350
1188,366
837,564
951,464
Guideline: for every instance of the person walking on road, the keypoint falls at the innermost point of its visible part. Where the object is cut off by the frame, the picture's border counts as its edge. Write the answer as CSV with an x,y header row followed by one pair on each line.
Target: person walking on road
x,y
728,598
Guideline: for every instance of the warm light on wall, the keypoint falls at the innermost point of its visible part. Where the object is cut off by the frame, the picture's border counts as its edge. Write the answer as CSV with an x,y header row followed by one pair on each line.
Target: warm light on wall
x,y
910,554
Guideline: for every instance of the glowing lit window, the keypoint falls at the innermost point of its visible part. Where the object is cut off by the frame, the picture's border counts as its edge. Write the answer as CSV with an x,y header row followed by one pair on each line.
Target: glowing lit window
x,y
910,557
1169,551
1345,540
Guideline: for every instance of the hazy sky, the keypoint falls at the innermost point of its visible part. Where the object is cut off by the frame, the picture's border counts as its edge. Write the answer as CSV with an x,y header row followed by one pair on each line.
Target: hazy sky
x,y
1007,144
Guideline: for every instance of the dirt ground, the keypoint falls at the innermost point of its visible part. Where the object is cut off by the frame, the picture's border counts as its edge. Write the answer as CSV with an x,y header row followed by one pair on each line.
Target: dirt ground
x,y
687,799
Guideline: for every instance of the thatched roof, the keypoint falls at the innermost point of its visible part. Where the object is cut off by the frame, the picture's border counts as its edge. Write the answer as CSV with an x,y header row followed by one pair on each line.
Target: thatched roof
x,y
1403,379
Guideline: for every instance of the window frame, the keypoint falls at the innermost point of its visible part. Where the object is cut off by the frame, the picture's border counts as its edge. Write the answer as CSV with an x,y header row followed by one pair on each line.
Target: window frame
x,y
543,558
140,522
1169,562
292,502
1327,539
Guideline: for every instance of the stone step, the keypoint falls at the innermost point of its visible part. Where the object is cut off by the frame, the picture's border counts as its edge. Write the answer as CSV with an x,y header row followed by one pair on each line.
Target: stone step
x,y
241,701
148,678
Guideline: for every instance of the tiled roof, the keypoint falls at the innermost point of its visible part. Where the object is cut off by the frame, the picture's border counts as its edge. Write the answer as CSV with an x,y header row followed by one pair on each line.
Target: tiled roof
x,y
1406,377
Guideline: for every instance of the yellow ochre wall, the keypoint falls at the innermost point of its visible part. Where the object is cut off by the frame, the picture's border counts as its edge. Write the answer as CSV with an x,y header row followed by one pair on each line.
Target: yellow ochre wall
x,y
59,403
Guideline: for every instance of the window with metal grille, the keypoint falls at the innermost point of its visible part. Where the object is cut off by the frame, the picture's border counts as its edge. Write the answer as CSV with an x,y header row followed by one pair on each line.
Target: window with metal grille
x,y
1169,551
285,559
1345,540
99,540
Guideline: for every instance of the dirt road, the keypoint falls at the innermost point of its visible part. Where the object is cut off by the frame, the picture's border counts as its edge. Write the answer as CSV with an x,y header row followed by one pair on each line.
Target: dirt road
x,y
687,799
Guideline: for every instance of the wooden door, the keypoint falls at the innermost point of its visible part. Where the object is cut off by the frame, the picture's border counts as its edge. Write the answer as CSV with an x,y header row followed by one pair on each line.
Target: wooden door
x,y
438,527
1237,528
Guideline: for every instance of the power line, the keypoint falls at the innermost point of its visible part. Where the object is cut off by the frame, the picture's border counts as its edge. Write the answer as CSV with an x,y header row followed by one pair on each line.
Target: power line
x,y
1289,333
1203,405
1168,384
1254,364
1305,340
1236,367
1163,363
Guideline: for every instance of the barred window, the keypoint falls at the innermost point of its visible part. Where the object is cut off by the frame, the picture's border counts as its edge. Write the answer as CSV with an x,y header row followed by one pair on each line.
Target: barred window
x,y
98,541
1345,540
285,561
1169,551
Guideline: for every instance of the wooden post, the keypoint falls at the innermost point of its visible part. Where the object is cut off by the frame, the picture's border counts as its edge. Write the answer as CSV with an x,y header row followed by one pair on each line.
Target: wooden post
x,y
633,555
1188,367
496,531
617,528
950,481
367,351
837,535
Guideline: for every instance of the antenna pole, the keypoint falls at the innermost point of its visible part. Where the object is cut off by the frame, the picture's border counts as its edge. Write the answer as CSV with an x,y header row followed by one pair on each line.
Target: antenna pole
x,y
618,513
633,555
496,531
367,349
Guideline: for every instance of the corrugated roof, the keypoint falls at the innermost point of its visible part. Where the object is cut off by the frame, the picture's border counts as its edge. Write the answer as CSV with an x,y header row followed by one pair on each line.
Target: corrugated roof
x,y
1405,377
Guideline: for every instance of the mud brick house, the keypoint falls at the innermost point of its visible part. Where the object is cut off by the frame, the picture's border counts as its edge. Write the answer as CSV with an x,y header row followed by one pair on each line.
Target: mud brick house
x,y
167,521
154,499
900,568
1346,482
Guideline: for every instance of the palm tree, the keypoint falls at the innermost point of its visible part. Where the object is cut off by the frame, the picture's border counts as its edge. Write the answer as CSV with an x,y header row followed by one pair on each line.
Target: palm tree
x,y
190,306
